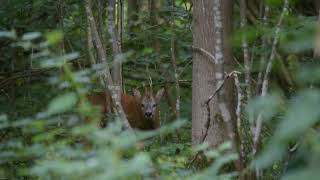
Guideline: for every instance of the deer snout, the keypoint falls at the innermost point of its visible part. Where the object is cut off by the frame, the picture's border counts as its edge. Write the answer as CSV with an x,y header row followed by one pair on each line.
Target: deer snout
x,y
148,114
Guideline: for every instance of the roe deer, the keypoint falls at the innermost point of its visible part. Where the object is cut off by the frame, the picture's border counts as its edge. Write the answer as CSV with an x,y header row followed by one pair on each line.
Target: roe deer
x,y
142,111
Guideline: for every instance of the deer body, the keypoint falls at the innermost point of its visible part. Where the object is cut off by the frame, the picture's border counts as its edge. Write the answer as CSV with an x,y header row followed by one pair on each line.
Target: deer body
x,y
142,111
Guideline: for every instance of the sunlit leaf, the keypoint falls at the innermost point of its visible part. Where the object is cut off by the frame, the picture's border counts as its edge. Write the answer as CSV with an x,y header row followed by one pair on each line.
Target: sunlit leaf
x,y
54,37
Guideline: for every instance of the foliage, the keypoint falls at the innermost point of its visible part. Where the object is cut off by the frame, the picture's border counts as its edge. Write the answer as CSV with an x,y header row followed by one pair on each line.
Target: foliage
x,y
43,89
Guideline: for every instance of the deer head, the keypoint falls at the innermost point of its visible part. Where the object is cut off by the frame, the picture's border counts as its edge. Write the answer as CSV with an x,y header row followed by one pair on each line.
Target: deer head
x,y
148,102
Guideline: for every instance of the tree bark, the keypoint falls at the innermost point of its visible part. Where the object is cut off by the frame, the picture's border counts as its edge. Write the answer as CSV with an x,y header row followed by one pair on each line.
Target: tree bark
x,y
317,5
203,75
212,25
174,61
111,89
245,48
116,51
154,6
132,16
204,82
316,50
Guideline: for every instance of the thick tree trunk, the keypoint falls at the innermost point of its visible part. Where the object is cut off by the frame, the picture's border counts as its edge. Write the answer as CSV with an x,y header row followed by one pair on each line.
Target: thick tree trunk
x,y
211,32
204,82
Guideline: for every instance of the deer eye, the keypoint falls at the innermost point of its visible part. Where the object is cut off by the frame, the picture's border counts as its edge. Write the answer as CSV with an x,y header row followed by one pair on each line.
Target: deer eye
x,y
142,105
154,105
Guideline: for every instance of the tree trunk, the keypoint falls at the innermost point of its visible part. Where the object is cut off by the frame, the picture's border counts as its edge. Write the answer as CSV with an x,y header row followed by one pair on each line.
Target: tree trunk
x,y
107,79
317,5
116,50
211,32
132,15
204,83
154,6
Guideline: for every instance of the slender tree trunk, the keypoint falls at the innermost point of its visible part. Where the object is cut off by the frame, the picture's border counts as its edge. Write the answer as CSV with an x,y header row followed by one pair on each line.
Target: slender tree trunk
x,y
247,67
92,57
224,63
101,22
116,51
120,22
154,6
111,89
245,48
174,61
265,82
317,5
316,50
132,15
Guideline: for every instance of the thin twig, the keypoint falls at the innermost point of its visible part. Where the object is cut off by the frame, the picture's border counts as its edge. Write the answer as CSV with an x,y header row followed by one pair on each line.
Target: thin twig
x,y
207,124
167,82
220,87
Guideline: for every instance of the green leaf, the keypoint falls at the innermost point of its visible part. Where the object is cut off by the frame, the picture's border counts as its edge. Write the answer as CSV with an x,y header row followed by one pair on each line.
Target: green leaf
x,y
3,117
274,3
58,61
267,106
271,154
303,113
8,34
307,174
225,146
147,51
31,36
62,103
54,37
201,147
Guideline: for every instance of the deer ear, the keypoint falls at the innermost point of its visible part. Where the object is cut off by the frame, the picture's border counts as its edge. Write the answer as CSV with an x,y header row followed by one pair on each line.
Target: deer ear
x,y
159,94
136,93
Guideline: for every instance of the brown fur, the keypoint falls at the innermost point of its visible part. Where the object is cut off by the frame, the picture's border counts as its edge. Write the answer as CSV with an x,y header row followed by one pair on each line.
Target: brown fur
x,y
131,106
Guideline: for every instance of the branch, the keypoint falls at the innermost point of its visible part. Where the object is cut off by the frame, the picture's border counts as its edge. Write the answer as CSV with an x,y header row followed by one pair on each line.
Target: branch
x,y
22,74
167,82
264,90
207,124
205,52
221,86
